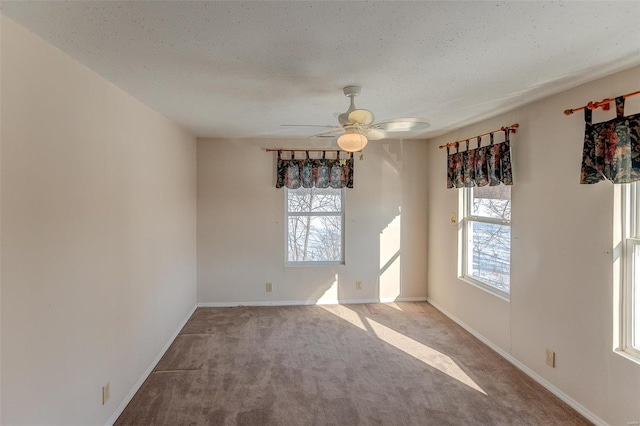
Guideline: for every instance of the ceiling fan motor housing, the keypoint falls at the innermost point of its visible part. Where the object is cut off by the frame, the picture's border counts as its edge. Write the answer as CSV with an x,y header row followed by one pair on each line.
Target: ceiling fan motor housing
x,y
351,91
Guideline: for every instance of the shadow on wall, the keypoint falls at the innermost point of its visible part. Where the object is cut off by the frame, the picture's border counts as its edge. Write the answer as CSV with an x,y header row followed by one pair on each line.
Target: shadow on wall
x,y
384,198
390,275
390,240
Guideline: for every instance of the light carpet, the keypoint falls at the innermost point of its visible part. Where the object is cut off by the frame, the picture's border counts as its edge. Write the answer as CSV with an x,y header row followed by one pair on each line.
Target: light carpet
x,y
371,364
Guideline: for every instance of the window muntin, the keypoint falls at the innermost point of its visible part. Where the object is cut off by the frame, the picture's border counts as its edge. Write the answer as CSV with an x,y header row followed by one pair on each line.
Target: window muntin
x,y
630,289
314,226
486,240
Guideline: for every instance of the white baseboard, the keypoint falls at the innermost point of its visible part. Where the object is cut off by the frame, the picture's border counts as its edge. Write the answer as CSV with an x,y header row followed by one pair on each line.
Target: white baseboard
x,y
148,371
309,302
405,299
526,370
557,392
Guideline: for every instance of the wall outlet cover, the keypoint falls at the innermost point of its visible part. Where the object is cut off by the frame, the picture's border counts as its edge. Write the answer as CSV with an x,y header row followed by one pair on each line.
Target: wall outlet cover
x,y
551,358
106,393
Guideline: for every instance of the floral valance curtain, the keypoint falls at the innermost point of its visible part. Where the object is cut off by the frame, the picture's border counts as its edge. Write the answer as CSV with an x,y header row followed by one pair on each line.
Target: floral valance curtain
x,y
314,172
486,165
611,148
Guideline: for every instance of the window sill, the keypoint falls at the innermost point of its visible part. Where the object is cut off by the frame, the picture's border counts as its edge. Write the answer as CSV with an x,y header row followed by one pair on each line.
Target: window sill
x,y
312,264
489,289
630,356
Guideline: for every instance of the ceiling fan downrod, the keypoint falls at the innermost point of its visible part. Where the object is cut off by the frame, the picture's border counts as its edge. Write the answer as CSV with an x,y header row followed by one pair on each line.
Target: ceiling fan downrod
x,y
350,92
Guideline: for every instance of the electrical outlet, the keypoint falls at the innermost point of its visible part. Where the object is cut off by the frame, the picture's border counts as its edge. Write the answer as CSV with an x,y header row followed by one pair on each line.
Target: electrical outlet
x,y
269,287
106,393
358,285
452,218
551,358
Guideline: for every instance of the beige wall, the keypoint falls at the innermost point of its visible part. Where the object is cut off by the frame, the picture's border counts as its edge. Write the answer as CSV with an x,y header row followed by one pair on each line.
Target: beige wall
x,y
562,273
98,236
0,222
241,227
98,240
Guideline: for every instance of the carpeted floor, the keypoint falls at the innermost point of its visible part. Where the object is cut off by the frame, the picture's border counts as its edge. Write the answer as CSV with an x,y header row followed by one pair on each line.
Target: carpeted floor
x,y
374,364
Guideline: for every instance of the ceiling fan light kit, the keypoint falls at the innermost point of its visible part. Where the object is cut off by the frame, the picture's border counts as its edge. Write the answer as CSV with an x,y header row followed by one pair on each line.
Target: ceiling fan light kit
x,y
352,142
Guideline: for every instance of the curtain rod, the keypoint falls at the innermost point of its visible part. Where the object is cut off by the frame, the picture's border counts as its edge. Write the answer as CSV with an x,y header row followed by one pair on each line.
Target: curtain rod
x,y
604,104
303,150
511,129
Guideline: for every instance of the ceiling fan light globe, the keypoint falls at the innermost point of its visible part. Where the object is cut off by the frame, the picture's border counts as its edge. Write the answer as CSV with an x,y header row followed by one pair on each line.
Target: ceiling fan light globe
x,y
352,142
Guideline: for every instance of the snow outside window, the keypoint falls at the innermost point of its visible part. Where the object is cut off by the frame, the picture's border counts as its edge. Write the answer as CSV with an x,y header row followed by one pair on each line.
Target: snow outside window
x,y
485,252
630,288
314,226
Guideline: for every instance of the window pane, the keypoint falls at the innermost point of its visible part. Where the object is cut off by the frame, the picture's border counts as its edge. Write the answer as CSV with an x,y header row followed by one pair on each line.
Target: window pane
x,y
315,238
492,201
490,254
314,200
635,299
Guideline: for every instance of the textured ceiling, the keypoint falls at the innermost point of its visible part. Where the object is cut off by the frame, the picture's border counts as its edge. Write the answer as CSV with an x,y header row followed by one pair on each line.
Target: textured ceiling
x,y
241,69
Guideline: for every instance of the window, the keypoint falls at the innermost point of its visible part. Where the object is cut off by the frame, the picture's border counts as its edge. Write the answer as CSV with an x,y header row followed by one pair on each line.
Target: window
x,y
315,226
630,289
485,249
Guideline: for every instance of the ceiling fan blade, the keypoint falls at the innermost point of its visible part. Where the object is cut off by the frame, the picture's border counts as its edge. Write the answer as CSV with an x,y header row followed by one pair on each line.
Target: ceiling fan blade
x,y
374,134
328,126
361,116
403,124
328,134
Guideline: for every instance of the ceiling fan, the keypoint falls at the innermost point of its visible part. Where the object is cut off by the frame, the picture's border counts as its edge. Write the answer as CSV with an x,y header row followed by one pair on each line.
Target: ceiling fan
x,y
357,126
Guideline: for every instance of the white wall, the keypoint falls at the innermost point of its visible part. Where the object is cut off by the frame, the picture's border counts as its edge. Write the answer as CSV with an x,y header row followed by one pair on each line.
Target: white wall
x,y
241,226
562,273
98,236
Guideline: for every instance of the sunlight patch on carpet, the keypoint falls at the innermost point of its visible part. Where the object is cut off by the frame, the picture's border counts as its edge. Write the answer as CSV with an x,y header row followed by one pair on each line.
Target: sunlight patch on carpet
x,y
421,352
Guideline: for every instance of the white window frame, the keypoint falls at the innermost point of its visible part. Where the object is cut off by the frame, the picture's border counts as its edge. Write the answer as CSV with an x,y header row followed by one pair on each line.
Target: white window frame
x,y
464,243
630,228
287,214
